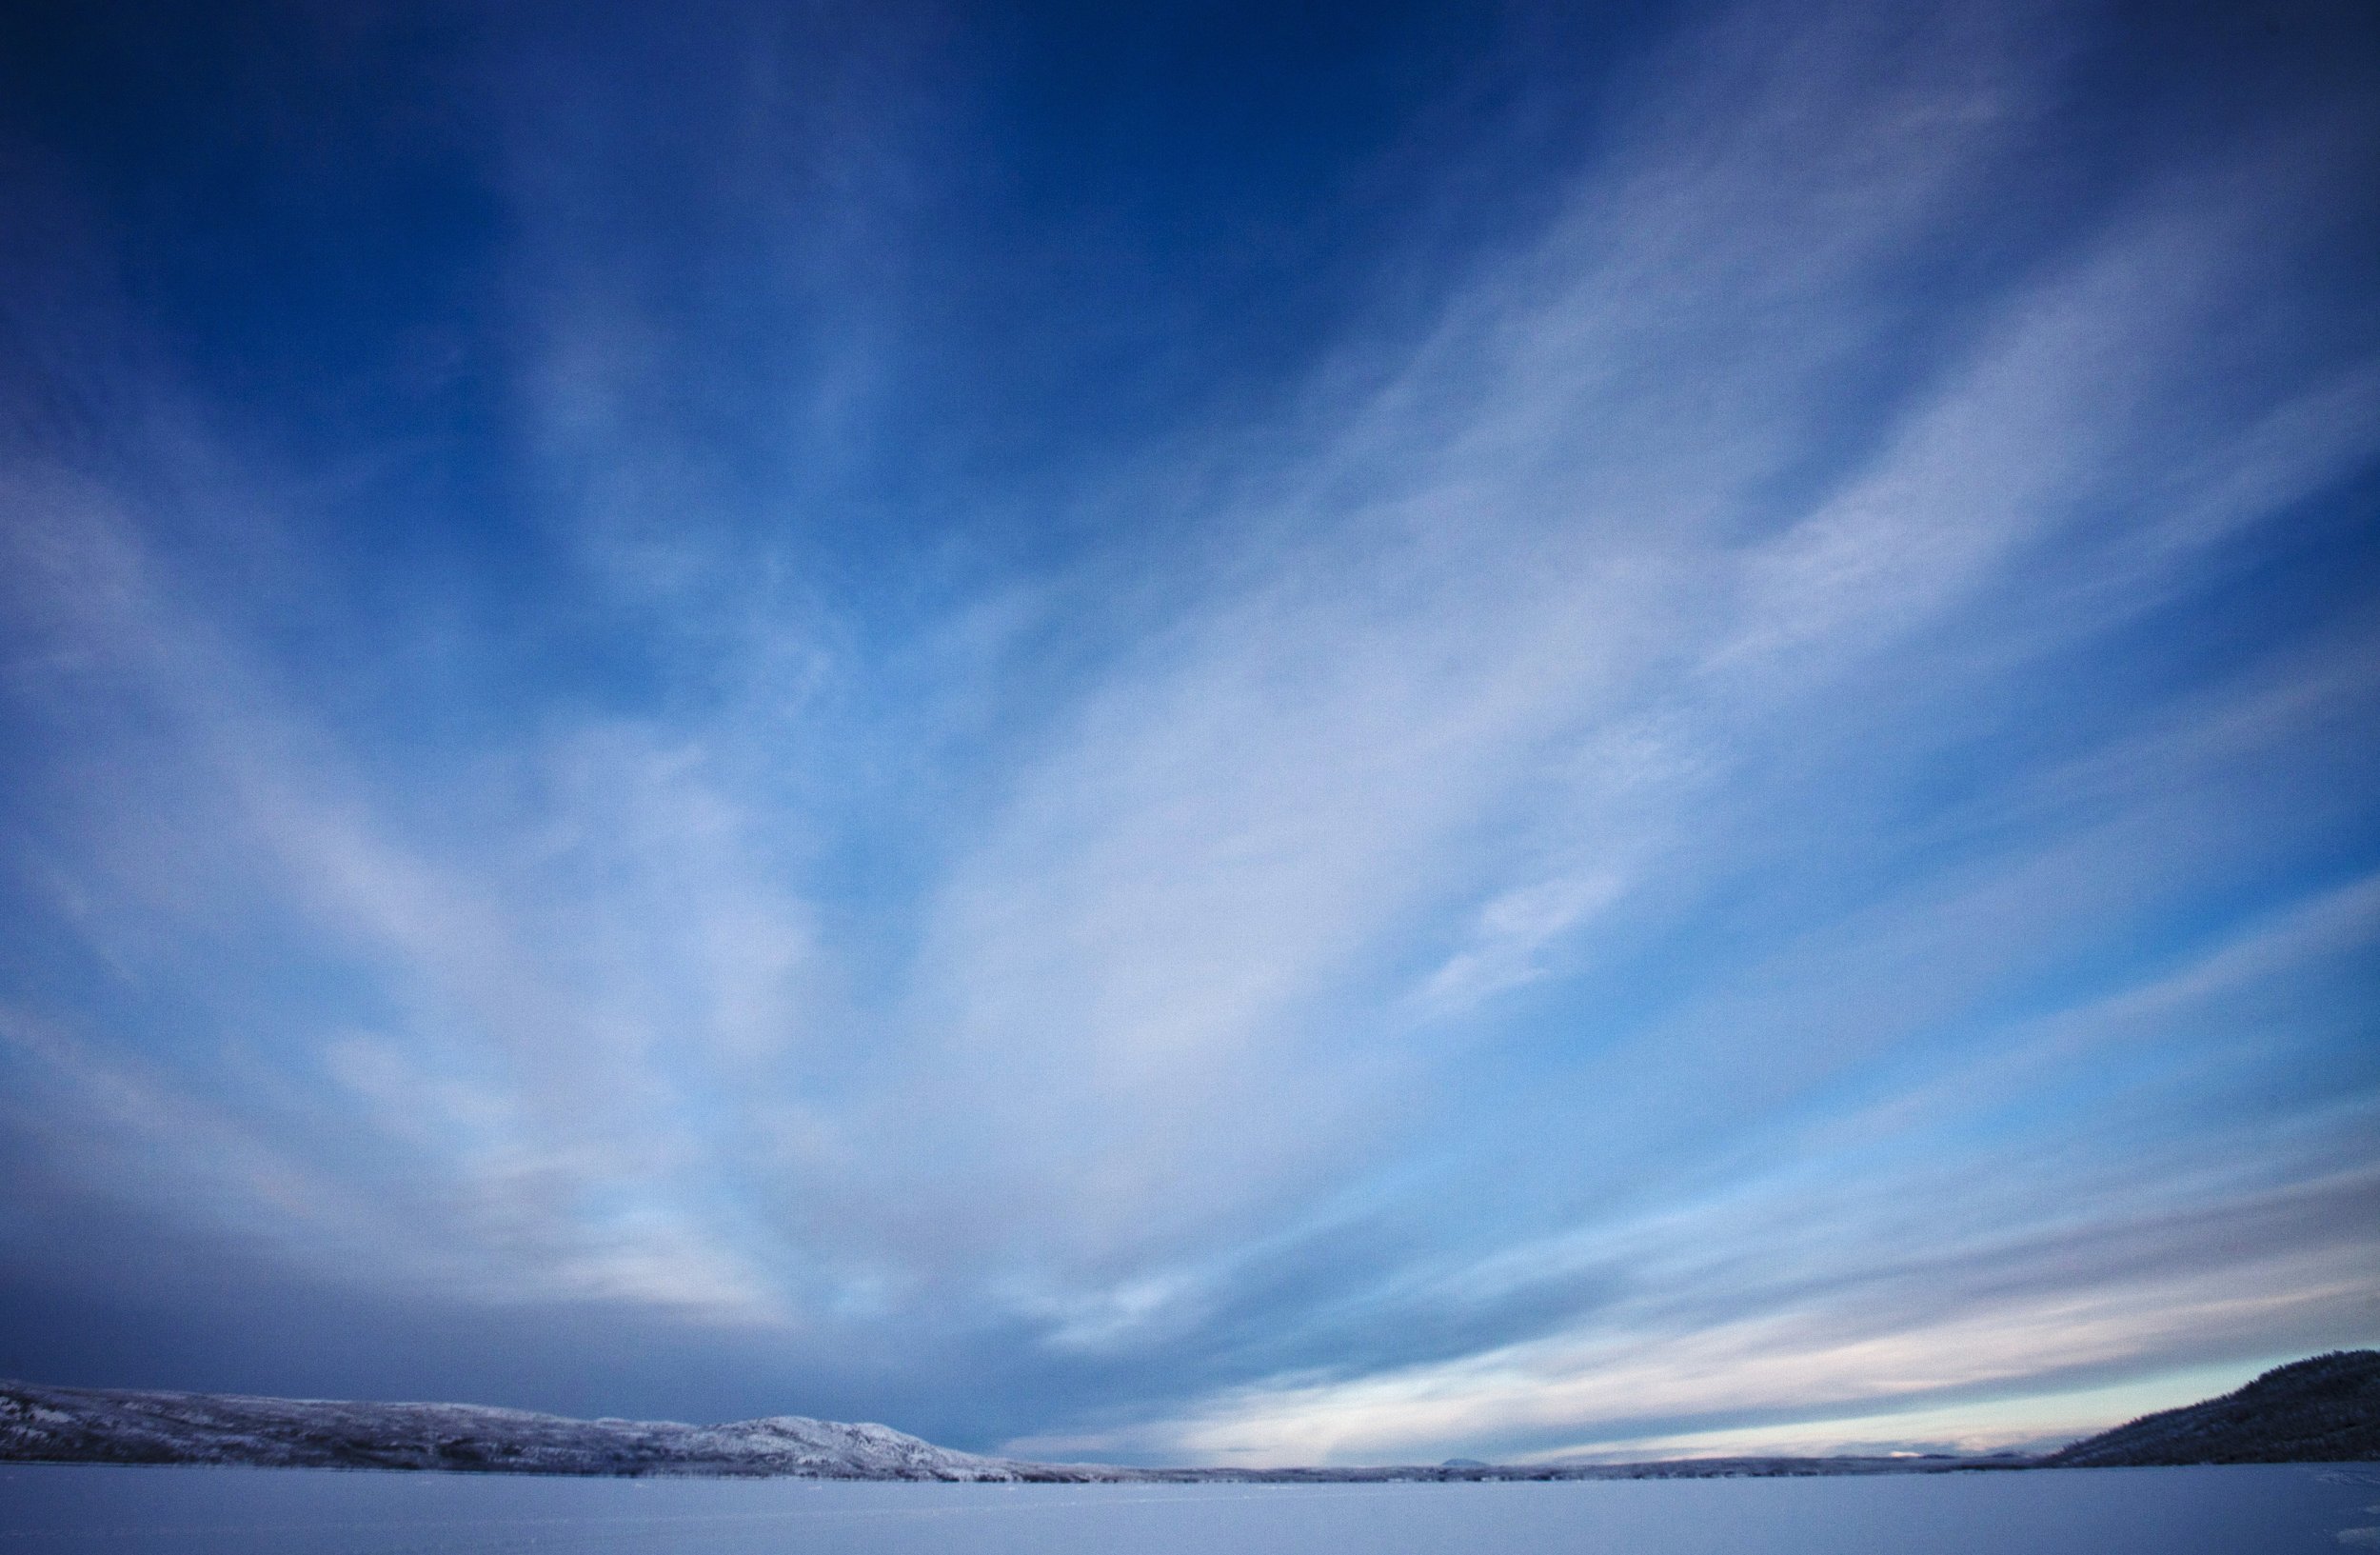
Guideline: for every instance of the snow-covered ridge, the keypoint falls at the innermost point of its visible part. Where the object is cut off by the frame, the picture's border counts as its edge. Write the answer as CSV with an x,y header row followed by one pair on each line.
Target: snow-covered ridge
x,y
2323,1409
78,1425
102,1426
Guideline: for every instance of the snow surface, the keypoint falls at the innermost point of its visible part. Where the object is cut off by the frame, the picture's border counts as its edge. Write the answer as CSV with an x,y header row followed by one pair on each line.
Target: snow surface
x,y
2243,1509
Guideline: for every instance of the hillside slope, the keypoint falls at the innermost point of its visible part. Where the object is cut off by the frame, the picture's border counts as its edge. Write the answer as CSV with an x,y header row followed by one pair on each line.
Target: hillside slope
x,y
2326,1409
74,1424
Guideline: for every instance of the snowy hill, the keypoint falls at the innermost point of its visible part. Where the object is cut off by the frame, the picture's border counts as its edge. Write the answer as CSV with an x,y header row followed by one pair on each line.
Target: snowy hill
x,y
102,1426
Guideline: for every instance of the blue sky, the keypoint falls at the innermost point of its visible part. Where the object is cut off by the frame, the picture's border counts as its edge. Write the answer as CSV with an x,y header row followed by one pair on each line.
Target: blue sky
x,y
1227,736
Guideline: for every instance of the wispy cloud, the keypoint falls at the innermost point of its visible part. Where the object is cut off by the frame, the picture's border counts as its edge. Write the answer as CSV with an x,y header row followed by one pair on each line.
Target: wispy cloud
x,y
1723,826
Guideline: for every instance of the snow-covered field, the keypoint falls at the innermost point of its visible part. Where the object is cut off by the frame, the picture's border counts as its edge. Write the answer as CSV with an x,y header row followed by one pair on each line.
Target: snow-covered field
x,y
2254,1509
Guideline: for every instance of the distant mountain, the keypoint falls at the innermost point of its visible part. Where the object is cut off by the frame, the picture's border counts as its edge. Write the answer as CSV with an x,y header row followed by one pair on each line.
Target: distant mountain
x,y
100,1425
2323,1410
76,1424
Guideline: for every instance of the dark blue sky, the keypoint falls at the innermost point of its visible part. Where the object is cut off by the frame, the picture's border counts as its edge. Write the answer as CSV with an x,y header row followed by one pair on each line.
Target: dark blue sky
x,y
1229,734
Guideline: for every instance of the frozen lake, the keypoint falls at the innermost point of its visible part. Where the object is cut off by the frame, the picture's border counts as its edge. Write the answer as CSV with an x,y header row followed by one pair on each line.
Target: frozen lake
x,y
2248,1511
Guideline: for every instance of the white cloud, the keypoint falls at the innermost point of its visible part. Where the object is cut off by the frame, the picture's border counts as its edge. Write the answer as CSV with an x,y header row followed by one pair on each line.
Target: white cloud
x,y
1524,697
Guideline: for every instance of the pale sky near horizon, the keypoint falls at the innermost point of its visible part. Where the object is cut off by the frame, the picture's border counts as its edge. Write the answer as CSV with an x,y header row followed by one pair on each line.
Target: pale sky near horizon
x,y
1230,734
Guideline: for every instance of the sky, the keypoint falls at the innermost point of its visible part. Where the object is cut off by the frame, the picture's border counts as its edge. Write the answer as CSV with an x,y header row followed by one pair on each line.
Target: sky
x,y
1227,735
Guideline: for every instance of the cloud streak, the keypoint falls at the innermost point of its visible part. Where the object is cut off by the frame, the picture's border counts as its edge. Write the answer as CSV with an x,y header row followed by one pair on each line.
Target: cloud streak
x,y
1754,812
